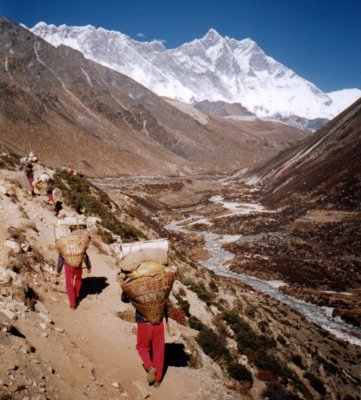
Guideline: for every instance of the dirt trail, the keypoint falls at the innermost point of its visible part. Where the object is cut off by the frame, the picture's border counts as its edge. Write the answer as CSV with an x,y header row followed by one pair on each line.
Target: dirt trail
x,y
91,349
110,342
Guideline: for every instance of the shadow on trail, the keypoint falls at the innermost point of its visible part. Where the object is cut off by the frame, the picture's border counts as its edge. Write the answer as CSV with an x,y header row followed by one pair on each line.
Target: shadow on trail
x,y
92,285
175,356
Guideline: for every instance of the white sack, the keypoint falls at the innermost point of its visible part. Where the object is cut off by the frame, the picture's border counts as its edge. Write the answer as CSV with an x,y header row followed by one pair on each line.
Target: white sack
x,y
133,254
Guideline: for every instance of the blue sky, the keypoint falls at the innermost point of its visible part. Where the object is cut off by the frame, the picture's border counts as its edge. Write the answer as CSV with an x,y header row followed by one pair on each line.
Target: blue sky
x,y
319,39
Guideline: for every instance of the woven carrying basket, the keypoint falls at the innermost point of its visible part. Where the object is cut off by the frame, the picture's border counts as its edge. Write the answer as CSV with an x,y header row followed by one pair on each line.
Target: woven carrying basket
x,y
72,248
150,294
42,187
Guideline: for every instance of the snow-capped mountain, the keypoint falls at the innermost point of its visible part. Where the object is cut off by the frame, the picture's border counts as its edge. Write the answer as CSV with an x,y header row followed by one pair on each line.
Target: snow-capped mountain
x,y
212,68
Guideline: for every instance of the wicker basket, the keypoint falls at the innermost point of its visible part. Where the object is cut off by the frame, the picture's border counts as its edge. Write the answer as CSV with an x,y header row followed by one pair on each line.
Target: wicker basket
x,y
42,187
72,248
150,294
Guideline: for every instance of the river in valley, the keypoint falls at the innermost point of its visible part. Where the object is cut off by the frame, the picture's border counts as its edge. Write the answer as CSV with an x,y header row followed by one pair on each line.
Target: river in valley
x,y
219,258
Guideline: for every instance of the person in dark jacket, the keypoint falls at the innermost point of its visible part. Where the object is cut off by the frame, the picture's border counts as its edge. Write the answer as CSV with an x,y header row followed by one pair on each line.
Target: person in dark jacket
x,y
73,278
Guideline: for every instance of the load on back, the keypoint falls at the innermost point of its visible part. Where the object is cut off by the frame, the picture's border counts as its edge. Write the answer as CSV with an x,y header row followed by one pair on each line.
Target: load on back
x,y
72,239
148,279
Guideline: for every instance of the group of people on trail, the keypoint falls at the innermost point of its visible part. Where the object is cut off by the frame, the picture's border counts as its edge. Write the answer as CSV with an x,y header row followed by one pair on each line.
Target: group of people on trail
x,y
29,165
150,343
150,334
72,170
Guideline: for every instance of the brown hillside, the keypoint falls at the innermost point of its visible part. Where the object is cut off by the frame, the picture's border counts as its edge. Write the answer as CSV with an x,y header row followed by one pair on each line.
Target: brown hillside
x,y
73,111
324,168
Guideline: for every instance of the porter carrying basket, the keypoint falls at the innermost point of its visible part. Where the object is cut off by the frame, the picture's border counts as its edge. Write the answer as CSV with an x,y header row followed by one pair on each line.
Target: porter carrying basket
x,y
150,294
72,248
42,187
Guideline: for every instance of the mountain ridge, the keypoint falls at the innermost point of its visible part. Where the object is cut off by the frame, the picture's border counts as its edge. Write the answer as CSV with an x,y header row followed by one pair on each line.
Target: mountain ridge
x,y
55,98
212,68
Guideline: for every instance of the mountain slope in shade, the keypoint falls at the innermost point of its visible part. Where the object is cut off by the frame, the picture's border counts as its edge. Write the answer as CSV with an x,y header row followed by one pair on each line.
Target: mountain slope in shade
x,y
74,111
325,168
213,68
223,109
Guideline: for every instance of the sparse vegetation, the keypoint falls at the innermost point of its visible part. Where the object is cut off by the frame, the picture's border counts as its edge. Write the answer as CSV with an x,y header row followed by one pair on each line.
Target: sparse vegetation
x,y
297,360
257,348
200,291
263,326
106,236
213,286
245,337
9,161
183,304
240,373
281,340
315,382
214,346
177,315
276,391
80,194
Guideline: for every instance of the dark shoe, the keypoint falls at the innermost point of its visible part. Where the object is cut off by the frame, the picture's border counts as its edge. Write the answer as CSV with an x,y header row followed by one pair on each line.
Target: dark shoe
x,y
151,375
156,384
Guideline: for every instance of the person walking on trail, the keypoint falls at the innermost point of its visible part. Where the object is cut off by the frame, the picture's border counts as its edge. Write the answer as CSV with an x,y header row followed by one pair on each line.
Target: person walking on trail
x,y
150,346
26,164
49,191
73,278
29,172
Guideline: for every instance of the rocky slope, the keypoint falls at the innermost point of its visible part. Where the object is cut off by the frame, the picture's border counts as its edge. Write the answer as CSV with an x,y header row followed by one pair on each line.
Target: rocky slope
x,y
310,235
326,168
54,98
228,342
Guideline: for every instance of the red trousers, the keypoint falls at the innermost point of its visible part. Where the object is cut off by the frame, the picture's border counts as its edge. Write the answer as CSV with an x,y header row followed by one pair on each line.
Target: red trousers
x,y
51,198
73,283
151,336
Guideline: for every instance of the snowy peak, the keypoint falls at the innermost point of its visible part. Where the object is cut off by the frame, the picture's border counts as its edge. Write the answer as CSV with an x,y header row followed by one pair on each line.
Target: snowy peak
x,y
211,38
212,68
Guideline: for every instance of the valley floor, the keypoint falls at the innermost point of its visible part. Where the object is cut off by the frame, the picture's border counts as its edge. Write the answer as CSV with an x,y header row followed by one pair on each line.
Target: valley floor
x,y
52,352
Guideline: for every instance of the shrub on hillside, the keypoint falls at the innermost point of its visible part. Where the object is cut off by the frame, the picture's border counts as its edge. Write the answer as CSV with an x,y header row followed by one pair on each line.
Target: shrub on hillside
x,y
196,323
245,337
281,340
270,363
80,194
213,345
183,304
315,383
276,391
199,289
177,315
240,373
9,161
297,360
263,326
210,342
